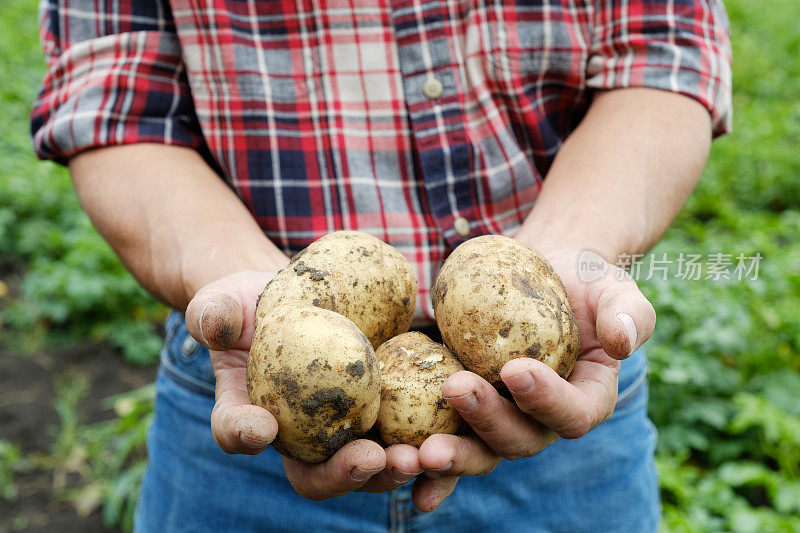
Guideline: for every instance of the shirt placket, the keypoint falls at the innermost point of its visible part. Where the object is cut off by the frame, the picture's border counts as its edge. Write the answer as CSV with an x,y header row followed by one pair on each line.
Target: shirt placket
x,y
431,85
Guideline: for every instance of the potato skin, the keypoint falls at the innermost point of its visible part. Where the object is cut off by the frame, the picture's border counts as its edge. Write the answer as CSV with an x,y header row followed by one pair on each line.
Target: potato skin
x,y
413,368
317,373
496,299
354,274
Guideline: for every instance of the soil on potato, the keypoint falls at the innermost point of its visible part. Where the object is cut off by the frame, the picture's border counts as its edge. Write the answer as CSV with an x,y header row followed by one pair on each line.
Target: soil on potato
x,y
28,420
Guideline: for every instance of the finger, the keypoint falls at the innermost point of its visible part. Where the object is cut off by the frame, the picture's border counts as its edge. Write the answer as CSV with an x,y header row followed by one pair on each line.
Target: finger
x,y
497,421
238,426
625,318
221,311
570,408
215,319
402,465
349,469
428,494
456,455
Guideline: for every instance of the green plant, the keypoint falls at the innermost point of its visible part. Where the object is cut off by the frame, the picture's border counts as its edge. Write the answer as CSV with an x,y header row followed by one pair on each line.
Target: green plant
x,y
73,286
12,461
724,361
108,457
725,378
725,358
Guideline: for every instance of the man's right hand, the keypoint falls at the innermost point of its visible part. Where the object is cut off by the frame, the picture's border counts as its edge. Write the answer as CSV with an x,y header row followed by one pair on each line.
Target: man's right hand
x,y
221,317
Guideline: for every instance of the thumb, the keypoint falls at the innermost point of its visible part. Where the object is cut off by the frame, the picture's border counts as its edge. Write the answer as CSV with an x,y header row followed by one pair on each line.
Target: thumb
x,y
625,319
220,312
215,319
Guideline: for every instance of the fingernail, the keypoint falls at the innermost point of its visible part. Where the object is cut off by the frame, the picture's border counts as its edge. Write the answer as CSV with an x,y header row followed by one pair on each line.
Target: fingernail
x,y
221,326
466,403
401,476
200,321
438,472
253,433
361,474
446,467
630,330
521,383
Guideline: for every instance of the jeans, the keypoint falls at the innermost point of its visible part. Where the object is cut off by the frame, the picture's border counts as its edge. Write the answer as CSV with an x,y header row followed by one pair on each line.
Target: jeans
x,y
605,481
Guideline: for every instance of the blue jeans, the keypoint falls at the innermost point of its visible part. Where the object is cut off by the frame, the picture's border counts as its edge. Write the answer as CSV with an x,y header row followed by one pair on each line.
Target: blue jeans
x,y
605,481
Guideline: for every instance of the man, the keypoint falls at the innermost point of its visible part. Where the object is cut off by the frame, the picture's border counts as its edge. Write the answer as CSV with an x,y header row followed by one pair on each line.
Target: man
x,y
423,122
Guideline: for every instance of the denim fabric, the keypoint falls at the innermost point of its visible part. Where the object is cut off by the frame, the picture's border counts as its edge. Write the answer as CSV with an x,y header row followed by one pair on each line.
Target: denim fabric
x,y
605,481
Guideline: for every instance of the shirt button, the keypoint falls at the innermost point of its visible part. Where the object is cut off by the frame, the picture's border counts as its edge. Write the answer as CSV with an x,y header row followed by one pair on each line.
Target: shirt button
x,y
461,225
432,88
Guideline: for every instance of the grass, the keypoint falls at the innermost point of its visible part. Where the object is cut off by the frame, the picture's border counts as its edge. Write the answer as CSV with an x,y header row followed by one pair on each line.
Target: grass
x,y
725,359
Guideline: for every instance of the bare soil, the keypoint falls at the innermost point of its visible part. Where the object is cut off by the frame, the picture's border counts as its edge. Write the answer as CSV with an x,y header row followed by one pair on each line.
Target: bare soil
x,y
28,419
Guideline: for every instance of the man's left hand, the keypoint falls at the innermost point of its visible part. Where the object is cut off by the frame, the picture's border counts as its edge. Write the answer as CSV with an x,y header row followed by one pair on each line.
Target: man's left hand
x,y
614,319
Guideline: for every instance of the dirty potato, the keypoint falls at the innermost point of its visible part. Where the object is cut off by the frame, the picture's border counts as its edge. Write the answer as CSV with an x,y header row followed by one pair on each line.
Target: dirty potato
x,y
413,368
354,274
316,372
496,299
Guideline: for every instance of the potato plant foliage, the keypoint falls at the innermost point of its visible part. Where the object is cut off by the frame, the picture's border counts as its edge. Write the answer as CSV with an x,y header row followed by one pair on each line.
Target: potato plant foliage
x,y
724,361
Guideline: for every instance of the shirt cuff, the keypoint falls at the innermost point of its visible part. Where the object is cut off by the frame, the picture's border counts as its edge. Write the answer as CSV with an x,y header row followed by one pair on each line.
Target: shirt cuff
x,y
670,54
117,89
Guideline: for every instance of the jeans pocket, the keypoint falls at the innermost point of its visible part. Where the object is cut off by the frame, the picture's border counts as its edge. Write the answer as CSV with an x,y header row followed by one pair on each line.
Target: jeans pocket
x,y
632,381
184,360
628,395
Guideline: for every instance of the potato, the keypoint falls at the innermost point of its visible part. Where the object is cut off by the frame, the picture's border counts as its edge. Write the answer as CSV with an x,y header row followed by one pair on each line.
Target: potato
x,y
496,299
413,368
316,372
354,274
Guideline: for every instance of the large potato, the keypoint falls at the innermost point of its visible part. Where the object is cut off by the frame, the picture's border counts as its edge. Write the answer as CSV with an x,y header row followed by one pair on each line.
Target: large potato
x,y
354,274
413,368
496,299
316,372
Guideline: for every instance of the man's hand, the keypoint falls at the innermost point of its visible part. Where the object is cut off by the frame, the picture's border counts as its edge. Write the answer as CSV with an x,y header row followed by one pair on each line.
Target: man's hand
x,y
221,317
605,190
614,319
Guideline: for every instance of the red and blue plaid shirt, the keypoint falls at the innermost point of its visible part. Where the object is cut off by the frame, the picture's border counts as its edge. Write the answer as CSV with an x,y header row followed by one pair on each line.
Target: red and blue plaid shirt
x,y
422,122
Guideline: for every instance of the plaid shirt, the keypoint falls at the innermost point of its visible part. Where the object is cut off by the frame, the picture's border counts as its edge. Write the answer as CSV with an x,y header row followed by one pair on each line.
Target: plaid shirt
x,y
423,122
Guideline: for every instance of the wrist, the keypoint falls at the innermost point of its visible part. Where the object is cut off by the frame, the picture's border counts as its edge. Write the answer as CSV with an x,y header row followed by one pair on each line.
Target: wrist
x,y
176,276
215,263
552,238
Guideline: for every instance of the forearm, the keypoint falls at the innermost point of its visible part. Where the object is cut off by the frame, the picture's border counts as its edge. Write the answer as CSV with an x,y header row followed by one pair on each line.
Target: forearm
x,y
173,222
620,179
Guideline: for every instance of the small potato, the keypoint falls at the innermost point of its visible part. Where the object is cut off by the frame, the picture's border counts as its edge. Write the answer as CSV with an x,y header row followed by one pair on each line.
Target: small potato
x,y
316,372
413,368
496,299
354,274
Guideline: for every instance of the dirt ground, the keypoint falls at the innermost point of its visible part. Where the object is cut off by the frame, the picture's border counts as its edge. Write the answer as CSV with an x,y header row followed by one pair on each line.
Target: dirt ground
x,y
28,419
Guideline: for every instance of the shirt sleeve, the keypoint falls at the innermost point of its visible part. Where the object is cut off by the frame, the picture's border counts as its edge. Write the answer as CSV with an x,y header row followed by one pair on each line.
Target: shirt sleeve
x,y
675,45
115,76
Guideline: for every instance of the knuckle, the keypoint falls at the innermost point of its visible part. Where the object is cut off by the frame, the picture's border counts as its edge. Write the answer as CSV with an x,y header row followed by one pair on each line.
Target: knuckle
x,y
607,414
520,450
550,437
484,422
578,427
545,404
308,492
489,469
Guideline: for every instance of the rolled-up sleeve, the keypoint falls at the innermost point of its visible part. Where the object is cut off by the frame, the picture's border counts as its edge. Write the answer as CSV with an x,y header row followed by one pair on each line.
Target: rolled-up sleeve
x,y
115,76
681,46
